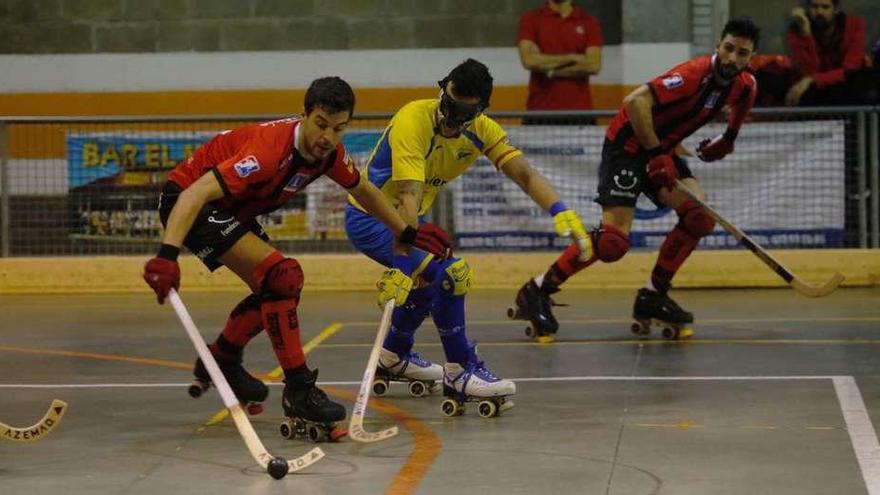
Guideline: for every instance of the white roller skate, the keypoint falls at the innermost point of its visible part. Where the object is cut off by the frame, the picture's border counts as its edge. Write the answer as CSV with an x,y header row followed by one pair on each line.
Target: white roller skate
x,y
421,374
475,383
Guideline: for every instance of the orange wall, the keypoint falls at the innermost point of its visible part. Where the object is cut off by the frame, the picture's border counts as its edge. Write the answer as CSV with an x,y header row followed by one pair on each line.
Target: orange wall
x,y
249,102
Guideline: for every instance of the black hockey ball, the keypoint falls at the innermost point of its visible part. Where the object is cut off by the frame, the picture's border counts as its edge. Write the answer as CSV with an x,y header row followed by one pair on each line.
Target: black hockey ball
x,y
277,468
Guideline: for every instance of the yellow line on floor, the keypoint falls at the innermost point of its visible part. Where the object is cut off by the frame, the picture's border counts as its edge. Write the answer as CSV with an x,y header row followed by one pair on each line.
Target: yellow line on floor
x,y
275,374
605,321
95,355
655,341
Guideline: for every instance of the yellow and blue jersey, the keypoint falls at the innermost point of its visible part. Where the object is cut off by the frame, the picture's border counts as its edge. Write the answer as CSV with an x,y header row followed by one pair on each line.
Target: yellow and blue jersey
x,y
412,149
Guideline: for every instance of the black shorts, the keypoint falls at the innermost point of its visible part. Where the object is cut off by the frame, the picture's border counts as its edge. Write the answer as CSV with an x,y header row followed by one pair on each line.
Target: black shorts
x,y
214,231
622,177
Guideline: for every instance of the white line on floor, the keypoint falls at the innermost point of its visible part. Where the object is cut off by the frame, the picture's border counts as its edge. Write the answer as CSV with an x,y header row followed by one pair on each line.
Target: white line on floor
x,y
521,379
861,431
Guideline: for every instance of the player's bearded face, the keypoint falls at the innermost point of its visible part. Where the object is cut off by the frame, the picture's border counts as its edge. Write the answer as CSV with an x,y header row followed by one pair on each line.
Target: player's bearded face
x,y
732,57
322,131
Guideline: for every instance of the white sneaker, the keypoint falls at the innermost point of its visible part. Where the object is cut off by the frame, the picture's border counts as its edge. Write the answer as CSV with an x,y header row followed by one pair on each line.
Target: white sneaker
x,y
475,380
411,367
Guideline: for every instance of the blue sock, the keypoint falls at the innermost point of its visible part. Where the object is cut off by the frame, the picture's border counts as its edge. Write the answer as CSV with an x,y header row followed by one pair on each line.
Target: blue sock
x,y
406,319
448,312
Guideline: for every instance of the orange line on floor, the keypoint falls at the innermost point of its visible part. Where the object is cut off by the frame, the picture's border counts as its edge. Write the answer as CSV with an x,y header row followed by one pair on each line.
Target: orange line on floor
x,y
426,448
100,356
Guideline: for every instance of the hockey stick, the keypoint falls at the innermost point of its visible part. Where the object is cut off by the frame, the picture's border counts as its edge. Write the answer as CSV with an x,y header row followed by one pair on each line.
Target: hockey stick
x,y
38,431
277,467
799,285
356,424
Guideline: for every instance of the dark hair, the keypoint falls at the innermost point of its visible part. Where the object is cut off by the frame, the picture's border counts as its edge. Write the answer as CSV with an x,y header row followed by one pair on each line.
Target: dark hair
x,y
743,27
471,80
331,93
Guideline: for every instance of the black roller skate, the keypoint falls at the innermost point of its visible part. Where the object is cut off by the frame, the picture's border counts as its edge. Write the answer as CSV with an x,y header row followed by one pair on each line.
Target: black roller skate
x,y
250,391
655,308
307,410
534,304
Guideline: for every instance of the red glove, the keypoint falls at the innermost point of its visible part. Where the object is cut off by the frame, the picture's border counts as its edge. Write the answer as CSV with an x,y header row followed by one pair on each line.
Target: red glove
x,y
661,169
428,237
161,274
715,149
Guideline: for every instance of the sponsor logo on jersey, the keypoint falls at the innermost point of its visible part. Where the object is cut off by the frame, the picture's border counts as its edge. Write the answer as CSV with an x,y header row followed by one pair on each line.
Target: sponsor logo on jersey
x,y
247,166
673,81
463,153
285,162
580,30
626,180
712,99
435,181
297,182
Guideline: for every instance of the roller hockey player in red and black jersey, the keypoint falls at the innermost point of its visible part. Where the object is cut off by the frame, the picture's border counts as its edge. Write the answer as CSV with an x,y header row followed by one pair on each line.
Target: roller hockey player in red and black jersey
x,y
210,204
638,158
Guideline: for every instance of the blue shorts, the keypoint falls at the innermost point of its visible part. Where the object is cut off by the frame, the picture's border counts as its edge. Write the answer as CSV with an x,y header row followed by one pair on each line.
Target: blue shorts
x,y
373,238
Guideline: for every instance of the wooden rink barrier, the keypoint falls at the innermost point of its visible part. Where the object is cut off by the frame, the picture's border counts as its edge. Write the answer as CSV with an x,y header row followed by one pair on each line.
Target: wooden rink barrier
x,y
704,269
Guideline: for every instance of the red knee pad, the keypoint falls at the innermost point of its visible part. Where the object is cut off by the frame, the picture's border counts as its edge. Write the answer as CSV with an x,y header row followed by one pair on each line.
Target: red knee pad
x,y
695,220
610,243
283,278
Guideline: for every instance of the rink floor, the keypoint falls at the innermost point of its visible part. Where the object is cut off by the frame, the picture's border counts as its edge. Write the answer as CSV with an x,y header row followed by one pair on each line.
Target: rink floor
x,y
773,395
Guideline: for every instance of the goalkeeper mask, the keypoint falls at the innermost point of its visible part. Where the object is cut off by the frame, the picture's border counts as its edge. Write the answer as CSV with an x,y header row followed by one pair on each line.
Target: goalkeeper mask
x,y
457,114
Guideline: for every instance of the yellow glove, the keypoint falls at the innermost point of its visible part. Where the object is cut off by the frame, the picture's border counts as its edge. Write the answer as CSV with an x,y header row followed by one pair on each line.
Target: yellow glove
x,y
568,224
393,284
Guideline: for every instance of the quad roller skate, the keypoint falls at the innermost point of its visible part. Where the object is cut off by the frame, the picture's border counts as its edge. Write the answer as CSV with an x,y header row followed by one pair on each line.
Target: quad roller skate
x,y
475,383
308,412
534,304
250,391
654,308
421,374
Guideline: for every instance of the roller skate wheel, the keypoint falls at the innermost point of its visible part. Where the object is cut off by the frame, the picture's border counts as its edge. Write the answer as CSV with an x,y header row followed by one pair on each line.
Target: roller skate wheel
x,y
417,389
530,332
450,408
640,328
316,433
670,333
287,430
487,408
380,387
254,408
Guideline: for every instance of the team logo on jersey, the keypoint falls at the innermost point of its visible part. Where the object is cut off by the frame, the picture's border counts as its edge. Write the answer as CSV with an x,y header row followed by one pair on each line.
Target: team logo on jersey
x,y
580,30
712,99
247,166
673,81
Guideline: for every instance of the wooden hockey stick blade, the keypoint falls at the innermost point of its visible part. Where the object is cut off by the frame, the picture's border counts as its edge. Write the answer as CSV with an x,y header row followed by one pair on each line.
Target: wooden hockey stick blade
x,y
793,280
245,428
38,431
818,290
356,424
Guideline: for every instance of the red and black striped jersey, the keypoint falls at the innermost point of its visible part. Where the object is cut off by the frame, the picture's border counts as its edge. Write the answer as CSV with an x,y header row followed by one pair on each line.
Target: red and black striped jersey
x,y
687,97
260,168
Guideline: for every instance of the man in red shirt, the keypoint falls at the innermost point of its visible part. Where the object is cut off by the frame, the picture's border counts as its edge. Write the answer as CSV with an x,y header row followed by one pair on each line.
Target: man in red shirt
x,y
824,45
638,157
562,47
210,204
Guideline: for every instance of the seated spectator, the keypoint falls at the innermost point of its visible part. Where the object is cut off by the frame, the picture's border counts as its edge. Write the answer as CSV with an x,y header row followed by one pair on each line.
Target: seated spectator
x,y
825,45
